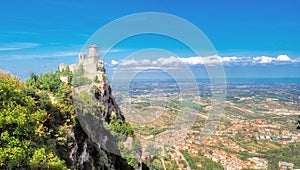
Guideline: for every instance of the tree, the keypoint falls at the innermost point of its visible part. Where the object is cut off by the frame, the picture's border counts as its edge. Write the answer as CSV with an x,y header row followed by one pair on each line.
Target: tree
x,y
121,129
22,126
66,72
43,160
32,79
79,78
48,81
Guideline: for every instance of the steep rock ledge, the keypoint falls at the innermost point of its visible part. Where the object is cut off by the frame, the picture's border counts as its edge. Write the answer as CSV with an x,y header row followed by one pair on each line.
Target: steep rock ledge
x,y
90,145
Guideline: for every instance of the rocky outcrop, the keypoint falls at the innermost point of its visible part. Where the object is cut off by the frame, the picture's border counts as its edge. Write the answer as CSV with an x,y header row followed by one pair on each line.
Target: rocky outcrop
x,y
89,144
106,99
82,152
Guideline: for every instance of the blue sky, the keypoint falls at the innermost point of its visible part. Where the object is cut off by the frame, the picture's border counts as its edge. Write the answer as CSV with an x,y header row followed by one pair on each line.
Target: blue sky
x,y
38,35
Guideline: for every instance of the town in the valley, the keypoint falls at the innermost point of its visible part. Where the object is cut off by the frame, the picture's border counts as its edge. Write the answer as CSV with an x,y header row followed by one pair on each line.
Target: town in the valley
x,y
256,130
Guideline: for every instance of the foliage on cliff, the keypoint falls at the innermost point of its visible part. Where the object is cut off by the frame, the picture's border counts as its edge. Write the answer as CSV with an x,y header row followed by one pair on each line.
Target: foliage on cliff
x,y
23,127
39,128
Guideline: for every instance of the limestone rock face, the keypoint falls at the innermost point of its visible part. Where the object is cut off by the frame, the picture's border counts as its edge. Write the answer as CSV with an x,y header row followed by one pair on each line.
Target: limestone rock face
x,y
82,152
106,99
89,144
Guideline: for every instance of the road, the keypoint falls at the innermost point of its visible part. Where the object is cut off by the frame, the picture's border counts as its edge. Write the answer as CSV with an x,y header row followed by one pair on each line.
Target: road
x,y
183,158
162,159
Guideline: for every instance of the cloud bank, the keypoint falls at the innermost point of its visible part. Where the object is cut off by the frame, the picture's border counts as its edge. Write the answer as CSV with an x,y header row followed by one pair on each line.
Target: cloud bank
x,y
210,60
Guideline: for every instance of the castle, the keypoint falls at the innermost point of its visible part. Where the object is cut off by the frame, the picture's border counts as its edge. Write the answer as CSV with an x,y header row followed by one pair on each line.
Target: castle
x,y
91,64
93,56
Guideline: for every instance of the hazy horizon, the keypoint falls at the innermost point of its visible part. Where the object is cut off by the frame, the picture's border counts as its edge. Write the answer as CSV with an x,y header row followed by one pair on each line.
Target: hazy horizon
x,y
253,38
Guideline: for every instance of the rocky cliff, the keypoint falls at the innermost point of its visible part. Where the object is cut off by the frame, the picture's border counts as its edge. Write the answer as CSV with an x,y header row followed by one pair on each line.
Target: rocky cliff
x,y
94,147
49,124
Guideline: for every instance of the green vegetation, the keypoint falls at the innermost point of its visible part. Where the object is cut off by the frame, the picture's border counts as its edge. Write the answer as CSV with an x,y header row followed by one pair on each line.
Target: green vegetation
x,y
280,97
43,160
290,153
256,109
101,69
258,146
206,162
48,82
96,79
25,126
155,164
37,117
142,104
148,130
258,99
288,122
153,150
191,160
80,78
237,112
179,104
129,152
272,151
226,121
120,129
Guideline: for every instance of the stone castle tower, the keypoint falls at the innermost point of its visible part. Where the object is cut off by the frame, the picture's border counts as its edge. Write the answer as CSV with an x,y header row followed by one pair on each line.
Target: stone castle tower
x,y
90,64
93,56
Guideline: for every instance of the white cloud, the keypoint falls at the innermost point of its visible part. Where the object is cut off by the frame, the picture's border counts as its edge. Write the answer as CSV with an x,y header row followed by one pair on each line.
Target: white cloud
x,y
229,59
209,60
168,61
129,62
263,59
266,59
65,54
113,50
283,58
17,46
39,56
146,62
9,48
114,62
192,60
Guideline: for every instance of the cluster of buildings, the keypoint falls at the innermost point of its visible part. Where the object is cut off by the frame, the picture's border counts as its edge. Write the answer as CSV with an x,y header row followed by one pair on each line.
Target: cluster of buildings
x,y
229,161
263,131
220,147
216,147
